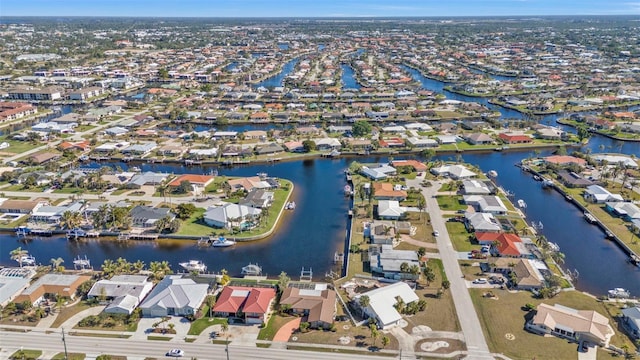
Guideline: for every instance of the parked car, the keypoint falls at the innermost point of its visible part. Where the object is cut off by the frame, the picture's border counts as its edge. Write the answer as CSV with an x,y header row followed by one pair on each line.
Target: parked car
x,y
436,233
175,353
480,281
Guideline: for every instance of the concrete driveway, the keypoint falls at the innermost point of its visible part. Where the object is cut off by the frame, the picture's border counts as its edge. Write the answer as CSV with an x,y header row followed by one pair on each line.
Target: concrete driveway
x,y
145,327
590,354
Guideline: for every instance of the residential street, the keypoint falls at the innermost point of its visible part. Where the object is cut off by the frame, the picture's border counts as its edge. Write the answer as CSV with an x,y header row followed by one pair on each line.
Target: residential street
x,y
476,344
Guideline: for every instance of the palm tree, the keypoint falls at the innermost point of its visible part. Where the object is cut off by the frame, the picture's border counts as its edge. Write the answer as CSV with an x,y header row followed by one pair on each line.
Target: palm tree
x,y
17,254
138,265
364,302
70,220
55,263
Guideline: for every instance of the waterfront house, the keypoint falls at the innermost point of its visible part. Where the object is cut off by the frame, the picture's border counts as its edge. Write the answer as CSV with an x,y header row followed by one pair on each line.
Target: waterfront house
x,y
626,210
414,164
599,195
422,142
486,203
479,139
477,187
146,216
625,161
174,295
250,304
453,171
327,144
509,138
550,133
390,210
481,222
565,160
294,146
270,148
229,135
388,191
381,233
53,214
255,135
12,282
571,324
50,285
372,173
573,180
631,321
21,206
171,150
382,303
122,292
258,198
74,146
147,178
233,150
247,184
111,147
228,216
15,110
388,262
203,153
524,273
317,304
503,244
198,182
447,139
44,157
139,149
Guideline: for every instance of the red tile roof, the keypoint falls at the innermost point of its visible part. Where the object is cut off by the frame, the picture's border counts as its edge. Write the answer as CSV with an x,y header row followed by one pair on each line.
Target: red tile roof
x,y
249,300
565,159
417,165
194,179
506,242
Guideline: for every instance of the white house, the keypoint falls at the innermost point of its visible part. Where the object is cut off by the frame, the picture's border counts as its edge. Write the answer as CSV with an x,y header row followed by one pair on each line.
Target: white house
x,y
123,292
174,296
230,215
599,195
382,301
486,203
453,171
390,210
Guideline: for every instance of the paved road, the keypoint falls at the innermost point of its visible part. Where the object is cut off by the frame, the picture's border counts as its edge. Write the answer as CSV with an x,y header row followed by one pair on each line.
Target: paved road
x,y
474,337
75,137
92,346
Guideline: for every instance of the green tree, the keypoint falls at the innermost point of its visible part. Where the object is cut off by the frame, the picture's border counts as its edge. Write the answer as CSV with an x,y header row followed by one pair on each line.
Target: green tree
x,y
385,341
364,301
184,211
361,128
374,333
429,275
309,145
17,254
70,220
56,264
283,281
184,187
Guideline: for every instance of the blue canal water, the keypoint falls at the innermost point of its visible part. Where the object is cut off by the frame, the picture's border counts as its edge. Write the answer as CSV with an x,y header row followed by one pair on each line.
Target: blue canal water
x,y
232,65
310,235
278,79
348,78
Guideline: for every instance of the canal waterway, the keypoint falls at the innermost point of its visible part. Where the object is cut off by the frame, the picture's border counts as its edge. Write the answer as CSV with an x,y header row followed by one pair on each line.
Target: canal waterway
x,y
311,234
278,79
348,78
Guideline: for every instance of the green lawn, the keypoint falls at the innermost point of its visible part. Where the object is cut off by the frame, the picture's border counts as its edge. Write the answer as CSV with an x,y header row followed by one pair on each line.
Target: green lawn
x,y
194,226
274,324
26,354
451,203
71,356
460,237
198,326
505,316
19,147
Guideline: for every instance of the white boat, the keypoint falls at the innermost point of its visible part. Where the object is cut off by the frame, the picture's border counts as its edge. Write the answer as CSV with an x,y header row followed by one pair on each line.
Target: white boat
x,y
27,260
618,293
546,183
554,247
251,269
262,175
290,205
347,190
222,242
492,173
81,263
194,265
522,204
590,218
135,169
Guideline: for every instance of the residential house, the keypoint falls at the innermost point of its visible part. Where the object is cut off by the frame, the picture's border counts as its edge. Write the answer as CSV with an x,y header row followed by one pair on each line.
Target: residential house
x,y
571,324
481,222
146,216
21,206
12,282
381,233
255,135
50,285
599,195
174,295
74,146
116,131
248,183
477,187
382,303
228,216
139,149
422,142
416,165
447,139
44,157
230,135
479,139
388,191
294,146
198,182
327,144
378,173
258,198
626,210
122,292
565,160
251,304
317,304
146,178
486,203
10,111
390,210
631,321
515,138
388,262
453,171
53,214
504,244
270,148
573,180
523,273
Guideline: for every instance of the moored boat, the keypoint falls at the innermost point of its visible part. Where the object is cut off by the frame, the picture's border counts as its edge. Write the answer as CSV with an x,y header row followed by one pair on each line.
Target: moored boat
x,y
251,269
194,265
222,242
590,218
290,205
522,204
618,293
28,260
492,173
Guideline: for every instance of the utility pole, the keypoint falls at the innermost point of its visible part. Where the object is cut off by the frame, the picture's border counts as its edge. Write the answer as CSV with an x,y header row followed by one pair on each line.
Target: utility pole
x,y
226,348
64,341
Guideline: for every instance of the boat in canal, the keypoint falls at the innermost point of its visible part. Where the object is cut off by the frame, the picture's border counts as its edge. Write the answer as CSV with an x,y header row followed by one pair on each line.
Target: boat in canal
x,y
522,204
22,230
194,265
291,205
619,293
547,184
222,242
590,218
252,270
76,233
28,260
492,173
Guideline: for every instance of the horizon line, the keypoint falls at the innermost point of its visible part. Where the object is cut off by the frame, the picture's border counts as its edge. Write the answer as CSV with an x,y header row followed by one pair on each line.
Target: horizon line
x,y
322,17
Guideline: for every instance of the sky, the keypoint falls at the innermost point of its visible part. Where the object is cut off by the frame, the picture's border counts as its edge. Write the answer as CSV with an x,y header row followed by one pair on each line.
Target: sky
x,y
315,8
